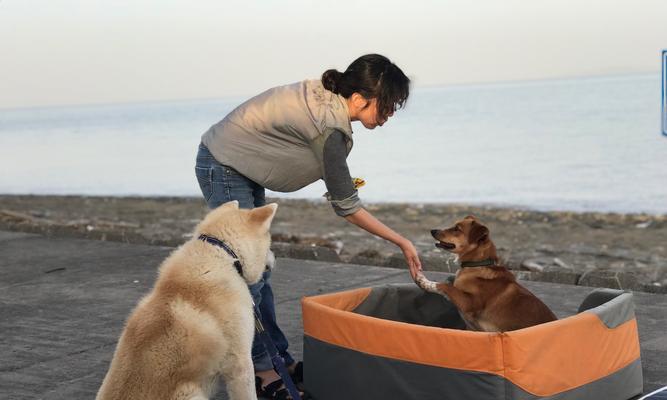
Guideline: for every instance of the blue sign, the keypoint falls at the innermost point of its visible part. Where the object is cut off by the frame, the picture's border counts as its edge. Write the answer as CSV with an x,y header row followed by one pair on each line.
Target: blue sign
x,y
664,92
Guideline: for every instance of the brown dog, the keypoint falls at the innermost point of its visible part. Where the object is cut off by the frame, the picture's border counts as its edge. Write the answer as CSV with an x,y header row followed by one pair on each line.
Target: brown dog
x,y
486,294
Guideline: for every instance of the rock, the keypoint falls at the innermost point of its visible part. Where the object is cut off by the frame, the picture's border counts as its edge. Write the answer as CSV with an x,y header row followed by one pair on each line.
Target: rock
x,y
305,252
658,289
370,253
596,224
360,260
644,225
531,265
562,264
395,261
337,246
563,277
546,248
544,264
610,279
368,257
439,263
411,211
429,263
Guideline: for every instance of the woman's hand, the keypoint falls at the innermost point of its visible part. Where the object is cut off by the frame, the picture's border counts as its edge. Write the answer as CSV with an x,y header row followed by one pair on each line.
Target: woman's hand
x,y
411,257
368,222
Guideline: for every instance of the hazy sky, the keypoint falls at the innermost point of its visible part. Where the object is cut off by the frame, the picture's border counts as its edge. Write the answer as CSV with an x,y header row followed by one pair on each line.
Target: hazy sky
x,y
56,52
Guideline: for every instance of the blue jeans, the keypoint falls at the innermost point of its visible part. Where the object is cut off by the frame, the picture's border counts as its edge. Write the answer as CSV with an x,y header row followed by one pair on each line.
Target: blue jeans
x,y
220,184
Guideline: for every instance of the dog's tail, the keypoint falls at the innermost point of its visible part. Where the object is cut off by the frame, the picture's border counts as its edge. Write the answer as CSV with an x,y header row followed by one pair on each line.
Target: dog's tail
x,y
426,284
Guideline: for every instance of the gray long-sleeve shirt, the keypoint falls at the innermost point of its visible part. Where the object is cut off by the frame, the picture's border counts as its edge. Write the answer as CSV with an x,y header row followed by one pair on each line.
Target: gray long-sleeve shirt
x,y
288,137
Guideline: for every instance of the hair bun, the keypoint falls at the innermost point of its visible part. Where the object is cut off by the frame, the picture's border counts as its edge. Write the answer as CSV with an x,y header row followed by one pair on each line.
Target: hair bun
x,y
330,80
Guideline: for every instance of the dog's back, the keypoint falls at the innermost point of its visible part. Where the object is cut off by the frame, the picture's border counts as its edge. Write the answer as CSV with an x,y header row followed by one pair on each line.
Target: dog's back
x,y
173,338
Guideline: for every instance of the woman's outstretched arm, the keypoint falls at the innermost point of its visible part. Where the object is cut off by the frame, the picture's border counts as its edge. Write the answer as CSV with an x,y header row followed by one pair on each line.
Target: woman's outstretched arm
x,y
368,222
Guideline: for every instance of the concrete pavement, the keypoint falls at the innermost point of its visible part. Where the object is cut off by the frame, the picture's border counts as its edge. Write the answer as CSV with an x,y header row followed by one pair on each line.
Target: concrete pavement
x,y
63,302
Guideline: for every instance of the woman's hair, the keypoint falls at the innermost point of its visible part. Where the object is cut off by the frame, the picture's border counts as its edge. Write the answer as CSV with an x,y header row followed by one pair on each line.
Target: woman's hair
x,y
374,77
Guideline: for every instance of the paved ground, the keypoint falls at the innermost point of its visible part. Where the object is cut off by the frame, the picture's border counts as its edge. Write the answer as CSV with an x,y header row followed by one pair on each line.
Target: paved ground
x,y
63,303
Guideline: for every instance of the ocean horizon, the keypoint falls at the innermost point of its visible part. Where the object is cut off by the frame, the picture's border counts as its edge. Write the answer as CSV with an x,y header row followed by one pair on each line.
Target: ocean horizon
x,y
584,144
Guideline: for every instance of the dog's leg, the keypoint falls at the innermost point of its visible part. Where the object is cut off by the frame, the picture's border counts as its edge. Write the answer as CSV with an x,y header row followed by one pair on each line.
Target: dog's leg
x,y
240,380
462,300
189,391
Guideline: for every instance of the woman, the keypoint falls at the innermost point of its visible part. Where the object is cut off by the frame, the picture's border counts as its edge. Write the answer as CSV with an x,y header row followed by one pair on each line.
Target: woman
x,y
289,137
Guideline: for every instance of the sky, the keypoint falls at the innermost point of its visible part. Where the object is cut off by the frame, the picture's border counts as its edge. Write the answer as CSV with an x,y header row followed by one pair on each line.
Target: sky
x,y
61,52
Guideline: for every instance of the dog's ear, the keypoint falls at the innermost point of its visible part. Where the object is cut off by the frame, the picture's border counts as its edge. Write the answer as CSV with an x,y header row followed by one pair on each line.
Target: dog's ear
x,y
478,233
472,217
232,205
262,216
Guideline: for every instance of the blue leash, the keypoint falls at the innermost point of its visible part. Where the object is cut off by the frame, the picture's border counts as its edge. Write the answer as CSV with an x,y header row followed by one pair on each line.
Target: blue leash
x,y
276,359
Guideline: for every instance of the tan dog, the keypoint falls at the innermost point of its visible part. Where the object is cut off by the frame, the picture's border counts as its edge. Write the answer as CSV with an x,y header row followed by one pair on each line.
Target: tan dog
x,y
487,295
197,323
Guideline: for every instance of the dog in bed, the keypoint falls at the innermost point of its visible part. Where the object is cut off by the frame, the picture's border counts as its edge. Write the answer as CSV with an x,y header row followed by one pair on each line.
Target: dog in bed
x,y
486,294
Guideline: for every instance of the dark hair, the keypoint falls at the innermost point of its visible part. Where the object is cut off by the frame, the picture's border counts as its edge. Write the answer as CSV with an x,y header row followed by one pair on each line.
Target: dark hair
x,y
374,77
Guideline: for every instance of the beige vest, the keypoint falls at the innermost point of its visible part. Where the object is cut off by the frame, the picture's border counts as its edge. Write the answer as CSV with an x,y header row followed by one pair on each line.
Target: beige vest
x,y
276,138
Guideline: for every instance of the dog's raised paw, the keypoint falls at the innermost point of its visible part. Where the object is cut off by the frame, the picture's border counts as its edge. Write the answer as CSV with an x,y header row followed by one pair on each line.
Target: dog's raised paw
x,y
426,284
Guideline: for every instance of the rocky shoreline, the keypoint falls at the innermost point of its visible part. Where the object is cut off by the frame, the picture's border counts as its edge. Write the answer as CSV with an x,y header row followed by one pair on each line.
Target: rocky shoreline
x,y
626,251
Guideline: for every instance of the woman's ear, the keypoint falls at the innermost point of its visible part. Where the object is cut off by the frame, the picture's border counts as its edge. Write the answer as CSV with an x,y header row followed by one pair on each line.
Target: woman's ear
x,y
359,101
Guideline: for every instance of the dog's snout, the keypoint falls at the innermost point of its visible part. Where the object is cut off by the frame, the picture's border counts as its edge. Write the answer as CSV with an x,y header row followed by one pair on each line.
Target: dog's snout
x,y
434,232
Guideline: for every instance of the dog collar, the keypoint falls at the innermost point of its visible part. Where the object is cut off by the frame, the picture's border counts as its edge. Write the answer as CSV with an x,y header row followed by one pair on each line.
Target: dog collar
x,y
483,263
224,246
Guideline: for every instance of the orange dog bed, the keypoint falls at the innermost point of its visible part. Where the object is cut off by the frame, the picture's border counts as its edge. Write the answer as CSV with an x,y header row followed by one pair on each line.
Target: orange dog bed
x,y
398,342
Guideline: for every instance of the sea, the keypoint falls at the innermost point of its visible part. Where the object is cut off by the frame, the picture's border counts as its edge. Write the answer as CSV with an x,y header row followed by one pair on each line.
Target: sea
x,y
585,144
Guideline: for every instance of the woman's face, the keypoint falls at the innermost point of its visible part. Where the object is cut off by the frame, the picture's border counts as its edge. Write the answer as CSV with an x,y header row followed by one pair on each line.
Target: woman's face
x,y
366,112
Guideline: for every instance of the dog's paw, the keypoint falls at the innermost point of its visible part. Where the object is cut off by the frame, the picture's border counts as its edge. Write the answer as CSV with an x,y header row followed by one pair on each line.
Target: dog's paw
x,y
426,284
270,260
